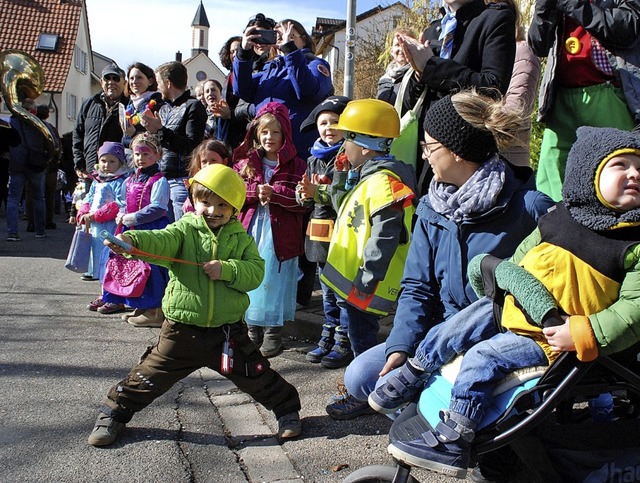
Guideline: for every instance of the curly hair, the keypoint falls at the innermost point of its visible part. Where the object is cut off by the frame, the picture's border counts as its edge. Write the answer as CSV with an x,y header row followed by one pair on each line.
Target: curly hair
x,y
225,52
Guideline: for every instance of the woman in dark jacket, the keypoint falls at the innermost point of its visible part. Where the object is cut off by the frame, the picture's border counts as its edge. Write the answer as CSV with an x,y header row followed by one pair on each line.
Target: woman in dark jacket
x,y
472,45
477,203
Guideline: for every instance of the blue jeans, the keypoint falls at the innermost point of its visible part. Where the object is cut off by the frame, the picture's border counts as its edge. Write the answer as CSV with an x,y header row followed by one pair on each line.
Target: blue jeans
x,y
178,195
362,326
329,302
489,355
361,376
16,186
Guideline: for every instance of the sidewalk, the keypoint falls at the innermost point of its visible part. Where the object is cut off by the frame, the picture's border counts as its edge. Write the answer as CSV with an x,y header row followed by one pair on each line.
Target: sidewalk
x,y
309,320
58,360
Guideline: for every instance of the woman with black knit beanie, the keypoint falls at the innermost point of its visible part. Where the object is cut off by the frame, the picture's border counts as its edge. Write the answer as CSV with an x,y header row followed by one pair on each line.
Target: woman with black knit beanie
x,y
477,203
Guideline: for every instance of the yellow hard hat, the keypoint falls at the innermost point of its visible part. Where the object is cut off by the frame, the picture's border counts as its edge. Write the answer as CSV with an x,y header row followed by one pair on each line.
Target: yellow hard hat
x,y
224,182
372,117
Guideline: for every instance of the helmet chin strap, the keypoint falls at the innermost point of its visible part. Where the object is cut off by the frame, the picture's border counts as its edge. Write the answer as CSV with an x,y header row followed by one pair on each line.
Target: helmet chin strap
x,y
369,142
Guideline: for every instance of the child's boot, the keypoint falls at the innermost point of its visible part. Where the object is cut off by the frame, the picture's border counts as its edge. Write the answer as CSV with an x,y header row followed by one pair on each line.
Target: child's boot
x,y
148,318
105,431
272,343
128,315
341,353
446,449
256,334
398,390
325,344
289,425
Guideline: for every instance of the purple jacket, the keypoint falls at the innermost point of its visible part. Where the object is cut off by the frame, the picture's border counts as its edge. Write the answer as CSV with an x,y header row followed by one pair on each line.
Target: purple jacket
x,y
285,213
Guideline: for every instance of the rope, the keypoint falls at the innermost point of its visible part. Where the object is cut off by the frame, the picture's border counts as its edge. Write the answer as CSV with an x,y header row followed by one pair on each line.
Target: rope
x,y
140,253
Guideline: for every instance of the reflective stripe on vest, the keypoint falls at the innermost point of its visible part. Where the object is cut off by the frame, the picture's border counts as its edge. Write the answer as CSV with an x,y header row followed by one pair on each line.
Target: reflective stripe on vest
x,y
353,230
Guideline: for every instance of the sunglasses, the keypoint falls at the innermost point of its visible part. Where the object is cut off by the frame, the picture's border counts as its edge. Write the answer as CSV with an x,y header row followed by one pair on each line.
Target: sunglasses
x,y
112,77
262,19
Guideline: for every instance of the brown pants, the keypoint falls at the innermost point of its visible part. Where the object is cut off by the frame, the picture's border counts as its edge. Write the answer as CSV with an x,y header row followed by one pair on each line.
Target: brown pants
x,y
182,349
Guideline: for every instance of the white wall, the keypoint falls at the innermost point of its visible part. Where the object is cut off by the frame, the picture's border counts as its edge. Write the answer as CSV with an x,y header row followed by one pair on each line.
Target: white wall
x,y
80,84
374,27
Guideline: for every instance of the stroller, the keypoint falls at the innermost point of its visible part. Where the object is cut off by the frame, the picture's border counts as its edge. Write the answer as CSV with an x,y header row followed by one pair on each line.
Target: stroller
x,y
554,396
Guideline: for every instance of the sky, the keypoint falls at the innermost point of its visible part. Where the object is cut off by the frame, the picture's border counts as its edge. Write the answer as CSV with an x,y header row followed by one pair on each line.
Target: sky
x,y
152,31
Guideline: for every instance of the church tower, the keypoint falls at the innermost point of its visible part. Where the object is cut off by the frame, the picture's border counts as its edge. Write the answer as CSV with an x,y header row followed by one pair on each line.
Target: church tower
x,y
200,32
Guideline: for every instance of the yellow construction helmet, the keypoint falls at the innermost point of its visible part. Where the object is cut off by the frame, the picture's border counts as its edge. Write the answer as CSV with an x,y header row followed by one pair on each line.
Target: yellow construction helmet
x,y
224,182
372,117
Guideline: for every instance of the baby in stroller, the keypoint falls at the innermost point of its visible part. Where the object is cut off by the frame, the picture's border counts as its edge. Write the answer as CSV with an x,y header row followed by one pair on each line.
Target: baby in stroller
x,y
573,285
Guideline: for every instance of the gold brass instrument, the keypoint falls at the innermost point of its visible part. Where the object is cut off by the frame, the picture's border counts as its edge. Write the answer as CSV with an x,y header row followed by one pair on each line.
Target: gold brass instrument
x,y
21,77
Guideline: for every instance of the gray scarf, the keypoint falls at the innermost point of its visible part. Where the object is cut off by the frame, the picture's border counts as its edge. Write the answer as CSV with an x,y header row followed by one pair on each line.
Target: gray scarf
x,y
475,197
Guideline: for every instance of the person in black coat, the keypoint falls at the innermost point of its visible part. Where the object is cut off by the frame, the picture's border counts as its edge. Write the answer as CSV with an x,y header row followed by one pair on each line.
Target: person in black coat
x,y
480,54
99,119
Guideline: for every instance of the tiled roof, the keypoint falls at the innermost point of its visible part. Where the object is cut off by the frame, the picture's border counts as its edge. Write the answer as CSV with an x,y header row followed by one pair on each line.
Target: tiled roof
x,y
24,20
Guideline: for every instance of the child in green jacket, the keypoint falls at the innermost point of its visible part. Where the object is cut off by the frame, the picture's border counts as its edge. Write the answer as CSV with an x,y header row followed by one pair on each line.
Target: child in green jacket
x,y
204,304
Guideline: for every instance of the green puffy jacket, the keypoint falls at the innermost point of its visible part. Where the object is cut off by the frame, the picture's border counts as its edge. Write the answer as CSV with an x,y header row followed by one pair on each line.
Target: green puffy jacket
x,y
191,296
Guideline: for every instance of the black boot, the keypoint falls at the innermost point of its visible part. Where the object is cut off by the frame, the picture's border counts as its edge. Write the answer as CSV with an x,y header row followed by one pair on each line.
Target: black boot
x,y
256,334
272,343
325,344
341,353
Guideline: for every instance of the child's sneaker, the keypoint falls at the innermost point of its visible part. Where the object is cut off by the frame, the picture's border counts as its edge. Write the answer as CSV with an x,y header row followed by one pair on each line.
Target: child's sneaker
x,y
398,390
94,305
446,449
111,308
105,431
344,406
289,425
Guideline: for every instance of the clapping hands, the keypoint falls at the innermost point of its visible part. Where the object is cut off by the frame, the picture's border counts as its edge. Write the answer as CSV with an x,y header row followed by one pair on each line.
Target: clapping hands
x,y
418,52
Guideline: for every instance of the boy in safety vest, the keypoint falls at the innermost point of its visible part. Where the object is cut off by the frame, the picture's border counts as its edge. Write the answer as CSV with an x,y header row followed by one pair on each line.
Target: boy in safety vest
x,y
373,194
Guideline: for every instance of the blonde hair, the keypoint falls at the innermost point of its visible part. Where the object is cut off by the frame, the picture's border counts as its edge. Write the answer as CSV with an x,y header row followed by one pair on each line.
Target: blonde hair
x,y
151,140
258,124
488,113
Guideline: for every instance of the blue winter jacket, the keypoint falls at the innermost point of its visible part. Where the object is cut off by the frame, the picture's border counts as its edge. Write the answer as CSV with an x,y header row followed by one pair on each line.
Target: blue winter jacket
x,y
435,284
298,79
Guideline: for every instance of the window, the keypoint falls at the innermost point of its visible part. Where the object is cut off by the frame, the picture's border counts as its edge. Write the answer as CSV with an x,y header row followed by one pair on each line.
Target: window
x,y
72,106
201,38
47,42
80,59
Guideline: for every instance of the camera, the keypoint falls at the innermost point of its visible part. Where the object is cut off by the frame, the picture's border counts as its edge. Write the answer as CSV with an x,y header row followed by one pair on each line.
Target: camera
x,y
266,36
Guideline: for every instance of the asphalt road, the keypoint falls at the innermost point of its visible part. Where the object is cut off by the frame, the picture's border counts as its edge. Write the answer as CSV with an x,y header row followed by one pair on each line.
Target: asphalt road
x,y
57,360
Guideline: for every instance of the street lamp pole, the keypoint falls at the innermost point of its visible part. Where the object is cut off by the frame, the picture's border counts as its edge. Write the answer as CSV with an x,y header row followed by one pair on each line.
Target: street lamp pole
x,y
350,47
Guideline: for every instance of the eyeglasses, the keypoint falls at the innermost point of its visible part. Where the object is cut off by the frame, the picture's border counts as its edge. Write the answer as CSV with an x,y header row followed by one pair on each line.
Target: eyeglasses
x,y
426,147
261,18
112,77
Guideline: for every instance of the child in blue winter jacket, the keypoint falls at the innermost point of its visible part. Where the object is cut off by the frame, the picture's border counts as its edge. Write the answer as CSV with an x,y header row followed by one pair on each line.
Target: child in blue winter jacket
x,y
101,205
334,348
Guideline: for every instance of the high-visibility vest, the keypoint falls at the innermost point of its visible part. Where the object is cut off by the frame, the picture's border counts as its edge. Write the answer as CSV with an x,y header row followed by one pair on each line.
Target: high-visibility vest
x,y
350,235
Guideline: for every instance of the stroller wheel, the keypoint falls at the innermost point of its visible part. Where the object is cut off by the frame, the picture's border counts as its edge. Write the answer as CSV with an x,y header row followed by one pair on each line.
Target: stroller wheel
x,y
379,474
